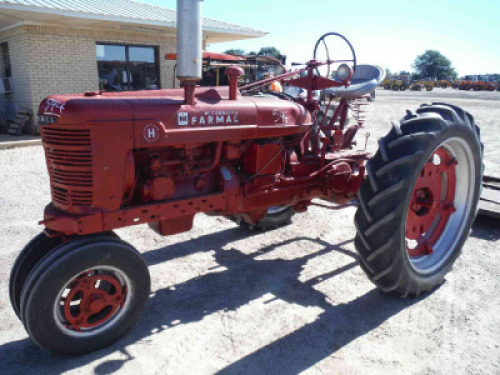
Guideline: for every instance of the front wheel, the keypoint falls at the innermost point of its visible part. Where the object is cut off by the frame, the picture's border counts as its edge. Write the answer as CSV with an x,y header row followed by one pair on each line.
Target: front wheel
x,y
31,254
84,294
419,200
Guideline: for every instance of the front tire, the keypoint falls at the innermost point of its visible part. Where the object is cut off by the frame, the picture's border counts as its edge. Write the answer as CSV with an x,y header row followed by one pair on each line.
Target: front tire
x,y
29,256
84,295
417,205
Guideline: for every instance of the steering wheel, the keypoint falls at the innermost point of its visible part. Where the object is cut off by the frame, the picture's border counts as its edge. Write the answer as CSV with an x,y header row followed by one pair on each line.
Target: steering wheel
x,y
322,41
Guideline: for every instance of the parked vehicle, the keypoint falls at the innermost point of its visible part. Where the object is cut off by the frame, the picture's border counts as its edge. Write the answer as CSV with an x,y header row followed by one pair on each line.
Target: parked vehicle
x,y
397,83
418,85
483,82
444,83
466,83
161,157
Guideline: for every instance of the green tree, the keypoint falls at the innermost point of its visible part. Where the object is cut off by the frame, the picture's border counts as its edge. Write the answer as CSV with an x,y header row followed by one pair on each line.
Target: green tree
x,y
270,51
404,73
235,51
432,64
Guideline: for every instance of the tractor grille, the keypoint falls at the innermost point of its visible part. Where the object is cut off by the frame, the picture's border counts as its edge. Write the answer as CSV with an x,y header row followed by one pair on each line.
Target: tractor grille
x,y
69,161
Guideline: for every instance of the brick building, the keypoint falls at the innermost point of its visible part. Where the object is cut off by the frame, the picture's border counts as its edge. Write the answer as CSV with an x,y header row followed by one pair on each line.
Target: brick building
x,y
49,46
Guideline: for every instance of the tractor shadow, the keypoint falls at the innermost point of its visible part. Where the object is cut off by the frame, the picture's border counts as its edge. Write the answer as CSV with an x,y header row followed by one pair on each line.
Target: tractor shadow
x,y
241,280
486,228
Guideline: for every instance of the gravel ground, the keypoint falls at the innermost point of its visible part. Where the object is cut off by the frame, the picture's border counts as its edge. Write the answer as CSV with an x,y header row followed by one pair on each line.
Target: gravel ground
x,y
286,301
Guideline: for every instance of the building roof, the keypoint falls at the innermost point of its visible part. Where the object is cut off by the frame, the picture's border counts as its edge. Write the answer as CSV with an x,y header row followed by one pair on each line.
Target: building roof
x,y
93,12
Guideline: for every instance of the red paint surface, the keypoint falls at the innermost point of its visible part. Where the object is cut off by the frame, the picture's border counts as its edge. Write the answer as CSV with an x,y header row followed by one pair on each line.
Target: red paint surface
x,y
120,159
431,204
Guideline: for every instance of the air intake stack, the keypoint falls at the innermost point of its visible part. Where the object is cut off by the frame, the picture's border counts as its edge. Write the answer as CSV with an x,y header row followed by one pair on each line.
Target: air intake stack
x,y
189,44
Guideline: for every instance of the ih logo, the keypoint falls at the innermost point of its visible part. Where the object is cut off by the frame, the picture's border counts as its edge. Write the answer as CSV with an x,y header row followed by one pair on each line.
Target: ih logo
x,y
151,133
182,118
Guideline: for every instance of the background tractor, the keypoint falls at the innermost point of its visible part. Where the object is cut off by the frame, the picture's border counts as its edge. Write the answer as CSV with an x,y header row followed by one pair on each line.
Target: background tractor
x,y
422,83
161,157
467,82
484,83
444,83
397,83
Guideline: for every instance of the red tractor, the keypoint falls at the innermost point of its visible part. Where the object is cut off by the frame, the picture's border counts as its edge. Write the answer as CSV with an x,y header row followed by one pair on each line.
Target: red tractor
x,y
161,157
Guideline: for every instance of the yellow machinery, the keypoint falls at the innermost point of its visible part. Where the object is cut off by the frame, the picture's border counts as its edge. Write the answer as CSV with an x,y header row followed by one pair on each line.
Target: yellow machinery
x,y
397,83
420,84
444,83
484,82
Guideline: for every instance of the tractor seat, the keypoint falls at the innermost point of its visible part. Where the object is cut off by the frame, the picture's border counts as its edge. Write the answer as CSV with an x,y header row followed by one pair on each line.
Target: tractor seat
x,y
366,78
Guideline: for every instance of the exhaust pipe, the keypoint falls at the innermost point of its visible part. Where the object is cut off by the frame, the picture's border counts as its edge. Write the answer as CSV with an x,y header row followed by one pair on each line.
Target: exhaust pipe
x,y
189,42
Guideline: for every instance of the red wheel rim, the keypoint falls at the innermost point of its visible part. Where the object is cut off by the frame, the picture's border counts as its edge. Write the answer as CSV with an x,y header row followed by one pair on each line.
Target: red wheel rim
x,y
92,299
431,203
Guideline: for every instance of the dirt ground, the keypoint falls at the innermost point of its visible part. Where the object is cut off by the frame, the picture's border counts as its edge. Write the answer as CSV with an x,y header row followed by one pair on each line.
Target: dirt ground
x,y
282,302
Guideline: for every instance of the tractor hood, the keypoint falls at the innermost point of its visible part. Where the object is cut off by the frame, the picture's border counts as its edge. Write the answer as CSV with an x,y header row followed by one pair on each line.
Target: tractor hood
x,y
161,117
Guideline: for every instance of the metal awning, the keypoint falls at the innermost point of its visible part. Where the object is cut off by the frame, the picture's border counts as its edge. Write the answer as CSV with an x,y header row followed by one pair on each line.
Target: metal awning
x,y
122,15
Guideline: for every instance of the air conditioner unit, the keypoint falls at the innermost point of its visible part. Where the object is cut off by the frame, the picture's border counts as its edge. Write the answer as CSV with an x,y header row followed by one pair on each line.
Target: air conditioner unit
x,y
6,85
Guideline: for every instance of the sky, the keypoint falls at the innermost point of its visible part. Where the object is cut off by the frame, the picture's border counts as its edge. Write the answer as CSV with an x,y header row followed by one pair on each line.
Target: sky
x,y
388,33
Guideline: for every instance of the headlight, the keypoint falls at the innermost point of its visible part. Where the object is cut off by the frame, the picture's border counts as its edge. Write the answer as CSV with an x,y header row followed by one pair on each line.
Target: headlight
x,y
344,72
47,120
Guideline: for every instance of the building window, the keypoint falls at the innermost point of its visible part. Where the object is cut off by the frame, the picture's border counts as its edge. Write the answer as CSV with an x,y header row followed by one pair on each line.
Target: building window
x,y
123,68
5,59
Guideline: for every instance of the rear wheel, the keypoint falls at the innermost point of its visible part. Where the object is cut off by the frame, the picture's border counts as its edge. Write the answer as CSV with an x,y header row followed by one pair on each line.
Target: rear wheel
x,y
387,86
84,294
420,198
428,88
477,88
395,88
371,96
276,216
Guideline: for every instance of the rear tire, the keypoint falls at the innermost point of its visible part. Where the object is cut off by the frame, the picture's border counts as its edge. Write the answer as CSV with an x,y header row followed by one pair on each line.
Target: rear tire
x,y
84,294
371,96
276,217
384,210
387,87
